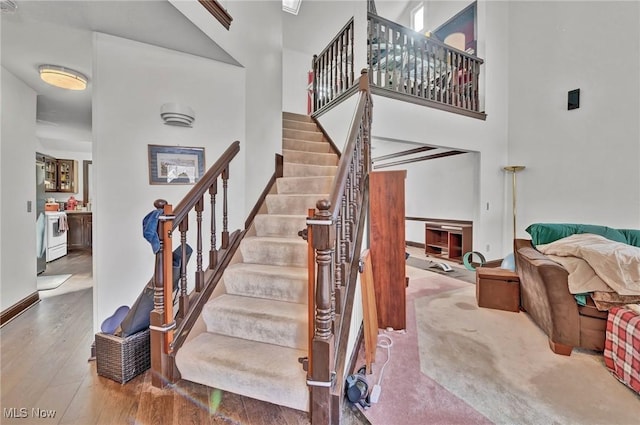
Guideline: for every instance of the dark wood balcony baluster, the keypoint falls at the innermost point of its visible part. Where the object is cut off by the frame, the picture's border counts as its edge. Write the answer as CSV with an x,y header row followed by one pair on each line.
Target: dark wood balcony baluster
x,y
183,301
199,207
225,214
213,251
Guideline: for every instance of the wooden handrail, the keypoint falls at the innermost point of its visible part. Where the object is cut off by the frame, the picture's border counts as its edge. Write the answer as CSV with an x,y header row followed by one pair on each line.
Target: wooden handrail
x,y
337,228
413,33
200,188
410,66
349,151
333,68
336,37
164,324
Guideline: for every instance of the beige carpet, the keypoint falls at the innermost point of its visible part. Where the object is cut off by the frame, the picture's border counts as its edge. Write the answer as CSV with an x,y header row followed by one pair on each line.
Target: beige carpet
x,y
500,364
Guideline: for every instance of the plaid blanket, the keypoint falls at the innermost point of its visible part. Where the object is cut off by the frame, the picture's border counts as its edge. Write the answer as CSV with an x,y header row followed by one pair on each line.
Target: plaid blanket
x,y
622,346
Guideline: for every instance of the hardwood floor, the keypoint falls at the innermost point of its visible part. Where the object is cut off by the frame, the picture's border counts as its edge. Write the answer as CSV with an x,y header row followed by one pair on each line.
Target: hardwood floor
x,y
45,365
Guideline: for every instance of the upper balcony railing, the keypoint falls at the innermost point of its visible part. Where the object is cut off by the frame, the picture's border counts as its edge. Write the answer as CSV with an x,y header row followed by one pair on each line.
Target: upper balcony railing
x,y
403,61
402,64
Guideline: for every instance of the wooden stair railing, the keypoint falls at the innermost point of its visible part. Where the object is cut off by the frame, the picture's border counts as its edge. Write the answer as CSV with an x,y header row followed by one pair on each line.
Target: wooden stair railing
x,y
403,65
333,72
337,228
407,65
168,331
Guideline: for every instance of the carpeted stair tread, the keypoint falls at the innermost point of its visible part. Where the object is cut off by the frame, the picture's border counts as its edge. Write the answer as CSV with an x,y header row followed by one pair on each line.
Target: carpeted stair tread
x,y
262,371
258,319
315,158
296,117
306,170
299,125
279,225
267,281
293,203
300,185
257,329
314,136
307,146
276,251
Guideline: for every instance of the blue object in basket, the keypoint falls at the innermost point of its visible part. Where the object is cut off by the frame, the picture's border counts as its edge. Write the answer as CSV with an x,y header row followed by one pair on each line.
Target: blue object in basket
x,y
112,322
508,262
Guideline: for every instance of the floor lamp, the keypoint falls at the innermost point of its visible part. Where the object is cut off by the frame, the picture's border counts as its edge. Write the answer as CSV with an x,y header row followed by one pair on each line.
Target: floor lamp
x,y
513,169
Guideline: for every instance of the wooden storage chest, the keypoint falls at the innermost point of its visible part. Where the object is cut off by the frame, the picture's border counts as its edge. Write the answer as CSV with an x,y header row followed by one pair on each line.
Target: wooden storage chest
x,y
498,289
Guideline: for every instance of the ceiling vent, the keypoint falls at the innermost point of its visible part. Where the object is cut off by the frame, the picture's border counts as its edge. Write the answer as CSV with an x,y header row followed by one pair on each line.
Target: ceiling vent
x,y
8,6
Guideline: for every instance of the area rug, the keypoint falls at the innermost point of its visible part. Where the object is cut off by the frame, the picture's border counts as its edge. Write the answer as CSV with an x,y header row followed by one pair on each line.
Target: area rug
x,y
432,266
457,363
77,282
500,364
46,283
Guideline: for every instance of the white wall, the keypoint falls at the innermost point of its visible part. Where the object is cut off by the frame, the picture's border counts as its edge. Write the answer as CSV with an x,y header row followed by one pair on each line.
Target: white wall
x,y
582,165
295,68
131,82
488,139
307,34
444,188
255,41
17,226
337,121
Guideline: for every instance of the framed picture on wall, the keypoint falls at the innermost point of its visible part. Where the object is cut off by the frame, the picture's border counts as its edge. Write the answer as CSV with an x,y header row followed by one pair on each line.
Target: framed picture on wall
x,y
175,164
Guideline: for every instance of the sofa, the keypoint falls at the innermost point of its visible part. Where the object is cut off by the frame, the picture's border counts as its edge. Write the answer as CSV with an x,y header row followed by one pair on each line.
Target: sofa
x,y
544,288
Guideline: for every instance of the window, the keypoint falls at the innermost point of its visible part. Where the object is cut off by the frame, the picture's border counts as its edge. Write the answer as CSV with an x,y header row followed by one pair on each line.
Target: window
x,y
417,18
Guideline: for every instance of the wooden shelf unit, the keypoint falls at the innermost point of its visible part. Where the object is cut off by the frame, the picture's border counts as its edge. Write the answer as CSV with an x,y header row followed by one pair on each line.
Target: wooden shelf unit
x,y
448,239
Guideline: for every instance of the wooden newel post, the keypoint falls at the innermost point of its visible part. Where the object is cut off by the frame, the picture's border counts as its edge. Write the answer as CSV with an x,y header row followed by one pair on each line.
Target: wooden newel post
x,y
324,236
161,318
363,84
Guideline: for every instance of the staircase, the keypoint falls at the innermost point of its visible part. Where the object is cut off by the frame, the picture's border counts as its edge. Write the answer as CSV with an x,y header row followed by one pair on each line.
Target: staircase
x,y
257,329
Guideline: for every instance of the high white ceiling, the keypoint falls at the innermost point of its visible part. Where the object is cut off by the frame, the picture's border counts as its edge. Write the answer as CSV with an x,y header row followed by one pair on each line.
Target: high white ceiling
x,y
60,33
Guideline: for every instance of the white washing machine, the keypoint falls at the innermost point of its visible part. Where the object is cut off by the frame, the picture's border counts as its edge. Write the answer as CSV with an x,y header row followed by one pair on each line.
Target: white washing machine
x,y
56,234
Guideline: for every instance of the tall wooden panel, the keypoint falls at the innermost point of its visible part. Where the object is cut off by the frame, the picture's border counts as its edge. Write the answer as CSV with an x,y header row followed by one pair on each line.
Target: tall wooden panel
x,y
387,245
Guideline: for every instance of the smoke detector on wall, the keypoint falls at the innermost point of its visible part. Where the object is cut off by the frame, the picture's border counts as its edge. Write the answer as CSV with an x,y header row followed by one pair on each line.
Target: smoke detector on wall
x,y
8,6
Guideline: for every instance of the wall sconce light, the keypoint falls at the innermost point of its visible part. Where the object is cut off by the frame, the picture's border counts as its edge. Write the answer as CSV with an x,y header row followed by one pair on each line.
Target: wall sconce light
x,y
291,6
176,114
62,77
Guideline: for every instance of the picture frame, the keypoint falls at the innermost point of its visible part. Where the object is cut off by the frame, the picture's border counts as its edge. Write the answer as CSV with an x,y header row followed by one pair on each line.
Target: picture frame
x,y
175,164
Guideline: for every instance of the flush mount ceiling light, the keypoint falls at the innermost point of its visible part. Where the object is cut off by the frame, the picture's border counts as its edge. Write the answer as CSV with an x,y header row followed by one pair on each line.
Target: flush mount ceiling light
x,y
291,6
62,77
176,114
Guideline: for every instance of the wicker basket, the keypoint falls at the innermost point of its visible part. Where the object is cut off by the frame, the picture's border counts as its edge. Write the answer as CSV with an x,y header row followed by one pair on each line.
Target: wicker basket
x,y
122,359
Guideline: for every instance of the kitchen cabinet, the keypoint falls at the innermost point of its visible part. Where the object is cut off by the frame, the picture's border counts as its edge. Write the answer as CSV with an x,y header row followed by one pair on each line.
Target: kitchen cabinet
x,y
50,171
80,228
60,175
67,175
